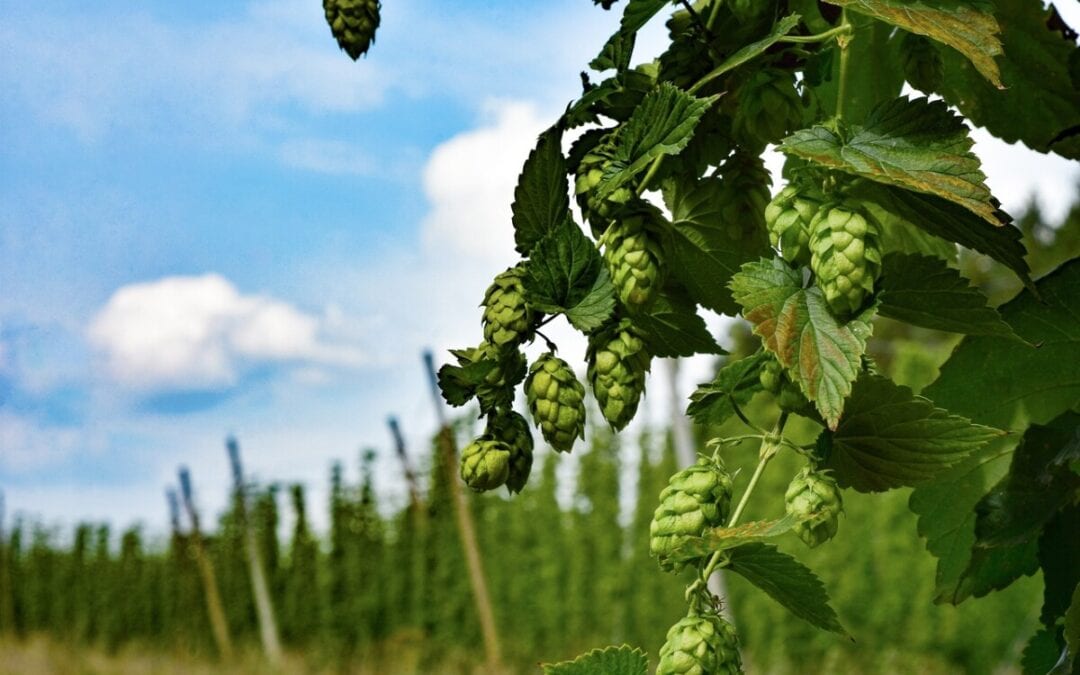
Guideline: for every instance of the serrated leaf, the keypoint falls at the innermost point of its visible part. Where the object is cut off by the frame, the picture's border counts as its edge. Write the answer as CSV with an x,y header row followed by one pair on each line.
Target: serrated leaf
x,y
992,569
925,292
967,27
458,383
891,438
596,307
541,198
1006,384
821,354
735,383
1040,654
1059,557
724,538
672,327
787,581
563,270
622,660
917,145
702,253
617,51
662,124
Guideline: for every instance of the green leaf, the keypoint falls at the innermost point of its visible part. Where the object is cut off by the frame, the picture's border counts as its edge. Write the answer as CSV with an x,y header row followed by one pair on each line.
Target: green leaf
x,y
617,51
622,660
735,383
702,253
874,72
458,384
992,569
787,581
917,145
1006,384
901,236
965,26
925,292
1059,557
673,328
1035,488
596,307
1040,654
952,222
1039,102
541,200
821,354
756,49
890,438
563,271
724,538
662,124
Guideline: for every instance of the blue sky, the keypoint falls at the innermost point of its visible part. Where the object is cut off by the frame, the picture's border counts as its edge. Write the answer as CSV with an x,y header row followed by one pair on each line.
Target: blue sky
x,y
214,222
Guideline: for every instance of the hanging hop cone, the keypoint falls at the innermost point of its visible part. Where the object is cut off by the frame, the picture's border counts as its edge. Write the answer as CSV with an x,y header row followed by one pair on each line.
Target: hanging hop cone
x,y
768,108
788,218
513,430
353,23
497,390
845,254
599,211
771,376
922,63
700,644
743,197
814,496
557,401
696,498
507,319
618,362
485,463
778,383
635,260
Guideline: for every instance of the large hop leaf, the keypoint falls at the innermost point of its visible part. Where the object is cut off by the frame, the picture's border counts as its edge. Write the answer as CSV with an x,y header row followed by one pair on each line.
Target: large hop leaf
x,y
557,401
845,255
507,319
696,498
485,463
618,361
635,260
768,108
814,499
353,23
788,217
513,430
700,644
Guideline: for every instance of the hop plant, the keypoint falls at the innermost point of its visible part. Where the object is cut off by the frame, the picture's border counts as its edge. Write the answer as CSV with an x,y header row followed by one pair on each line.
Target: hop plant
x,y
695,498
590,172
768,108
814,497
353,23
485,463
700,644
618,362
744,196
845,254
788,217
635,260
507,319
557,401
922,63
513,430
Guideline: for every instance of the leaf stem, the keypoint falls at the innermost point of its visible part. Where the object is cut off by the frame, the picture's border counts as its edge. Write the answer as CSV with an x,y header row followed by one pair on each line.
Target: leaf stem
x,y
842,42
842,29
653,168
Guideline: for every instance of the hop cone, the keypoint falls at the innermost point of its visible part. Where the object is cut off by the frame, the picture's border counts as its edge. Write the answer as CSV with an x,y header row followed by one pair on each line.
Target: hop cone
x,y
743,197
497,389
353,23
513,430
922,63
775,381
788,218
589,174
771,376
557,401
815,496
485,463
635,261
695,498
769,107
700,645
618,362
845,255
507,318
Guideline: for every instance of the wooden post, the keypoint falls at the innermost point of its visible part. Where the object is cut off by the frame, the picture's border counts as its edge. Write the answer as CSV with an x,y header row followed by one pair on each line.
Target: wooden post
x,y
264,606
466,529
214,608
399,448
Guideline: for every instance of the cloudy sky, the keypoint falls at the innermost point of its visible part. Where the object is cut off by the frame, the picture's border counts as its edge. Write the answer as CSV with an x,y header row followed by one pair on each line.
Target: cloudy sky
x,y
213,222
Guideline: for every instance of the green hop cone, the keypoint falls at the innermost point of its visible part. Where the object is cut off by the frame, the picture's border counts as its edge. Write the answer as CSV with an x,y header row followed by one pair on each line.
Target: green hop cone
x,y
815,497
696,498
507,319
922,63
485,463
743,197
845,254
557,401
497,389
768,108
513,430
618,362
599,211
788,218
353,23
700,644
635,261
771,376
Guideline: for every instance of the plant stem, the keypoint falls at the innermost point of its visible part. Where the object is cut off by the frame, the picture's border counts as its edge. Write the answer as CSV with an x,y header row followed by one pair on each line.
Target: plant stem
x,y
842,42
842,29
653,168
714,12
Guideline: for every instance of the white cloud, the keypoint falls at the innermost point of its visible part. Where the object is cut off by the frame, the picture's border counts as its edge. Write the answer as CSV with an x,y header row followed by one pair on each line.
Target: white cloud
x,y
200,332
27,446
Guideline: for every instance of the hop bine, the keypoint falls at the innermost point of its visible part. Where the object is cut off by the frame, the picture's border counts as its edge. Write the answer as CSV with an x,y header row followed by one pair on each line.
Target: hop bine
x,y
618,362
845,254
557,401
700,644
814,498
696,498
353,23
